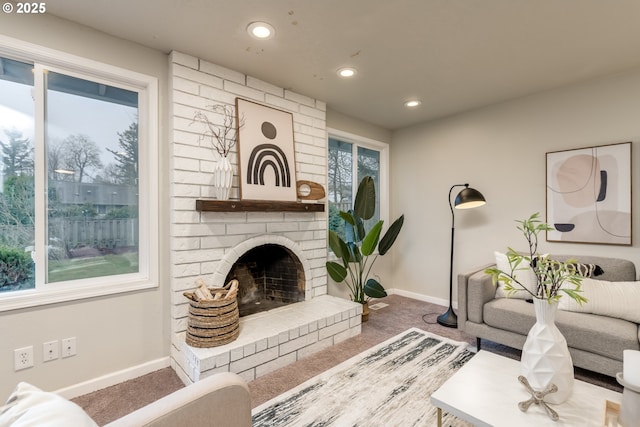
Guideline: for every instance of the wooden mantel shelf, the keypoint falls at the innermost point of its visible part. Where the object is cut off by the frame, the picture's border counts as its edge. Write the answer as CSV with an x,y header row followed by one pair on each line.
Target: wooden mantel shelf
x,y
204,205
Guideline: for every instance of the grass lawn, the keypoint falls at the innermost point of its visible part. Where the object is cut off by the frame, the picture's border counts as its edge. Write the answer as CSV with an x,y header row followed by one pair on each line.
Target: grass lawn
x,y
83,268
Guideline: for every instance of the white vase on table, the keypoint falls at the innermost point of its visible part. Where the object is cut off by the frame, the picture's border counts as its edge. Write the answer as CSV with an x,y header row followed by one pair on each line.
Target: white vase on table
x,y
545,355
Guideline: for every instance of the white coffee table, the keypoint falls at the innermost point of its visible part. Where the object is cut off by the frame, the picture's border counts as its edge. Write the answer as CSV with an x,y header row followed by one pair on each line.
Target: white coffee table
x,y
486,392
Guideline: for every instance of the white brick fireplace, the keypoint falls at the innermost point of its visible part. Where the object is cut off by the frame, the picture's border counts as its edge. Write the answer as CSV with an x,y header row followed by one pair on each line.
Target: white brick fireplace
x,y
207,244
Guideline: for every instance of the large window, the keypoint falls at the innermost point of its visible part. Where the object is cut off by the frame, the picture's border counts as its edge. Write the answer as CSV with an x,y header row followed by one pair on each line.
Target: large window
x,y
351,158
76,179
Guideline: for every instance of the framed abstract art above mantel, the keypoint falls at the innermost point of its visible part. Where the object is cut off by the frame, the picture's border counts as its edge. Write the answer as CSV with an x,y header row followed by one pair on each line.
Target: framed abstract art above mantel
x,y
266,153
589,194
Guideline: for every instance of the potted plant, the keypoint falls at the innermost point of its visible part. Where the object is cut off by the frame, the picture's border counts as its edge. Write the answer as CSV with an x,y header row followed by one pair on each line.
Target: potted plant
x,y
222,135
358,253
545,356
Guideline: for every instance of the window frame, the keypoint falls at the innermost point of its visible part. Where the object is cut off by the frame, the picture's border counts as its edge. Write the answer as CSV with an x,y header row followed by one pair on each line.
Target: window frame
x,y
372,144
147,88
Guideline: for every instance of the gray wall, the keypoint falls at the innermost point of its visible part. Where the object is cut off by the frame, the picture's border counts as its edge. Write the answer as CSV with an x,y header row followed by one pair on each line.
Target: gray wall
x,y
116,332
500,150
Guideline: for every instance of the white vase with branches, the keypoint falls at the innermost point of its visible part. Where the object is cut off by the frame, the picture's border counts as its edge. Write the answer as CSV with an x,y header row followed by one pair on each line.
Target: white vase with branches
x,y
545,355
221,133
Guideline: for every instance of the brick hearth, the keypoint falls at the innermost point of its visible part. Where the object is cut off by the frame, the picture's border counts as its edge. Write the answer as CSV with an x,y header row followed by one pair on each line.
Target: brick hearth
x,y
272,339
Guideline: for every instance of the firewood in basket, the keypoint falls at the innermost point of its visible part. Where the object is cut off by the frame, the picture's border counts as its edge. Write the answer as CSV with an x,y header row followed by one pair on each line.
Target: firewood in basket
x,y
203,293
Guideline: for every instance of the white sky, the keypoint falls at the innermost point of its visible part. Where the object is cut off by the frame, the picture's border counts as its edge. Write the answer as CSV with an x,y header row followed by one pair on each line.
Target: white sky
x,y
67,115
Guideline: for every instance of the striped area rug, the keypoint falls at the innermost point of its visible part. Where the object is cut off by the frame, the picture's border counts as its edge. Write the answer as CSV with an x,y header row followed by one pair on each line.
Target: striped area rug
x,y
387,385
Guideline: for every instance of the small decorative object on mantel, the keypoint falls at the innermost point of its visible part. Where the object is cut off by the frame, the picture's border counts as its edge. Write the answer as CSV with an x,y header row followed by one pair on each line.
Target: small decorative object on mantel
x,y
308,190
213,315
357,255
545,355
222,135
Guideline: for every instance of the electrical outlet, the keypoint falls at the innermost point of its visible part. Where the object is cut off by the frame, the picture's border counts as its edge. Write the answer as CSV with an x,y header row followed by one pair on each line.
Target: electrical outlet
x,y
50,351
23,358
69,347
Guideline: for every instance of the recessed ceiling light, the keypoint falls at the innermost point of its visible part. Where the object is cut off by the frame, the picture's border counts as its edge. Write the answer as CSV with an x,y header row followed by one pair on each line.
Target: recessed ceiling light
x,y
261,30
412,103
347,72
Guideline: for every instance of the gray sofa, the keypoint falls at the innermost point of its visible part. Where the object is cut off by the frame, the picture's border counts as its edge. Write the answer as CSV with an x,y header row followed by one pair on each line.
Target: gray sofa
x,y
222,399
595,342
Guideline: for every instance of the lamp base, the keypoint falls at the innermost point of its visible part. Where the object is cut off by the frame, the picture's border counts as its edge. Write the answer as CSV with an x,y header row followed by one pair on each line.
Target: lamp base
x,y
448,319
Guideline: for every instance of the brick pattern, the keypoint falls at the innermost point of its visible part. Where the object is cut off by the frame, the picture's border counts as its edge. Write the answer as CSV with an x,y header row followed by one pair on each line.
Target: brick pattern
x,y
273,340
206,244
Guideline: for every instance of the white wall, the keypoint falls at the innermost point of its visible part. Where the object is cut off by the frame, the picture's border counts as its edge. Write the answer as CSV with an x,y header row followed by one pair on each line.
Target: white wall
x,y
115,332
500,151
339,121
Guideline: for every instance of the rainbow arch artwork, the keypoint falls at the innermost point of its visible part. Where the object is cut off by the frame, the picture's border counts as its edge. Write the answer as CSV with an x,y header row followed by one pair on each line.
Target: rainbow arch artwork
x,y
266,152
268,156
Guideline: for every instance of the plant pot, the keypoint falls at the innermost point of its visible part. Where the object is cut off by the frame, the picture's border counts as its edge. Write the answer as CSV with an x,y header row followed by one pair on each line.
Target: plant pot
x,y
365,311
545,356
222,178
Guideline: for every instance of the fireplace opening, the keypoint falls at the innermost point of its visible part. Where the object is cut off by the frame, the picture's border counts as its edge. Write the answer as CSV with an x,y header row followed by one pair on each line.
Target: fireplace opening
x,y
270,276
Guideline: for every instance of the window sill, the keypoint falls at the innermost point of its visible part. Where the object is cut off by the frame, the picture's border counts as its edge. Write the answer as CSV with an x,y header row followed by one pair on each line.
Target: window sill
x,y
15,300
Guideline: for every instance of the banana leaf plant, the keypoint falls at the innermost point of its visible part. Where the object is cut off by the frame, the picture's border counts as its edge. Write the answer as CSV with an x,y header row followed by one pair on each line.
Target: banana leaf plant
x,y
358,253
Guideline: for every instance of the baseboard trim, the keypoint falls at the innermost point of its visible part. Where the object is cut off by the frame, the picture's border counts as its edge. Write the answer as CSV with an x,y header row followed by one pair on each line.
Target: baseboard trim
x,y
113,378
421,297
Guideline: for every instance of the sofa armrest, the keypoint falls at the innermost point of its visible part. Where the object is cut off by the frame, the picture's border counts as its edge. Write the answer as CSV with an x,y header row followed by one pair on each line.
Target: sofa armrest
x,y
222,399
473,292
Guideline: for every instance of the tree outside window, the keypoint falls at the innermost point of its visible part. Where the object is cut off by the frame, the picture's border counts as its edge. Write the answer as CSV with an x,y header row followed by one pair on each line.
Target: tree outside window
x,y
91,178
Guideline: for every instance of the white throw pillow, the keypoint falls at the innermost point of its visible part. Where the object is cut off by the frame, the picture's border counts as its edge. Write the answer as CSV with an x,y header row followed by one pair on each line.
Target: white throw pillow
x,y
28,406
614,299
523,273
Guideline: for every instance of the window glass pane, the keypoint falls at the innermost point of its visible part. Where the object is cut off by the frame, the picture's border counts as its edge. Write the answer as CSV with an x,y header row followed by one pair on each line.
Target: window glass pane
x,y
17,208
369,165
92,179
340,194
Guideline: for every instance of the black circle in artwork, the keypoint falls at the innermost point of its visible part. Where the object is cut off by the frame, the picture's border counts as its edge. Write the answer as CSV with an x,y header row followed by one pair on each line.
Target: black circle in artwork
x,y
269,130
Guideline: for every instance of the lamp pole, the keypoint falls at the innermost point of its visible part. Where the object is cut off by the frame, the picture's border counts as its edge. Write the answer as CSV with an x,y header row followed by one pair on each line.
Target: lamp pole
x,y
450,319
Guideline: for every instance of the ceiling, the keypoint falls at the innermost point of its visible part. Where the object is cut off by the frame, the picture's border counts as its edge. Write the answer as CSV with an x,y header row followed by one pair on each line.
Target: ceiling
x,y
454,55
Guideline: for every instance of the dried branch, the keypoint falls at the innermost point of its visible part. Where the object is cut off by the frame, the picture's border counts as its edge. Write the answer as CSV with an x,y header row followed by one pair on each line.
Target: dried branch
x,y
222,134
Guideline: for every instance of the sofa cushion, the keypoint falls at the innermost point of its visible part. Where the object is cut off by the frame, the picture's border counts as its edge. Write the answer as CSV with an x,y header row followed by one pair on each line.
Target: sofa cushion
x,y
523,273
614,299
29,406
614,269
606,336
587,270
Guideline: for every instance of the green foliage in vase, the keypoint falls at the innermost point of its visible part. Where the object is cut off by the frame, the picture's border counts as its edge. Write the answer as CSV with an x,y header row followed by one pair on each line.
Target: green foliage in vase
x,y
553,278
358,253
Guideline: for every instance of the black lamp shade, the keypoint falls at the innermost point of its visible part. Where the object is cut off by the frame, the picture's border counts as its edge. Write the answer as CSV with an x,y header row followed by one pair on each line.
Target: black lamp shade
x,y
469,198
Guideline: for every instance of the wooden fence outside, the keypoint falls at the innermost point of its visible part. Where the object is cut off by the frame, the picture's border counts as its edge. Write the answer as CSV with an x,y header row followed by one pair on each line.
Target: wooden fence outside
x,y
96,233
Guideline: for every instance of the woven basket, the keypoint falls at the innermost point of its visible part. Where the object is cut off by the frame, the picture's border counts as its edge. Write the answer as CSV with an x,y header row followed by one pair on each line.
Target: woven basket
x,y
212,323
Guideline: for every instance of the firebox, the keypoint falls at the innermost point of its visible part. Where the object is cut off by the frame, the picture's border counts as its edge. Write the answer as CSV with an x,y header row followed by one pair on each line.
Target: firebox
x,y
270,276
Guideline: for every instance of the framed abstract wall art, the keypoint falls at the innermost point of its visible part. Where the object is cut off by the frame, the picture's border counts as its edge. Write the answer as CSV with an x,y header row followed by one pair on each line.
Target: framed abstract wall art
x,y
266,153
589,195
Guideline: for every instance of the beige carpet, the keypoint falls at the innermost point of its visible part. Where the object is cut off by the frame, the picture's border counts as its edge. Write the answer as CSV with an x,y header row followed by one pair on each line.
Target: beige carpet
x,y
400,314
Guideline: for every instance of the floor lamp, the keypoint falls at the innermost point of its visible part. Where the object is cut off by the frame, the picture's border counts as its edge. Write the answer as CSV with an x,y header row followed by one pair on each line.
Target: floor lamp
x,y
468,198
